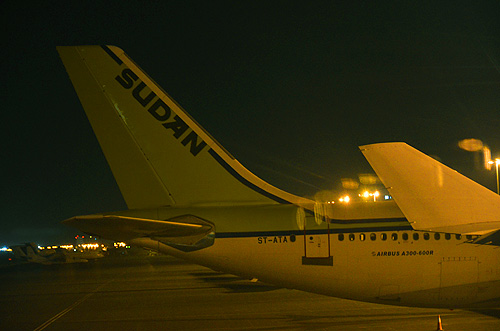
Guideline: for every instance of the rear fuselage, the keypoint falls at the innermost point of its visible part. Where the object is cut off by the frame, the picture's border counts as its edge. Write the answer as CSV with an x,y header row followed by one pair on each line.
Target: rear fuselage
x,y
381,261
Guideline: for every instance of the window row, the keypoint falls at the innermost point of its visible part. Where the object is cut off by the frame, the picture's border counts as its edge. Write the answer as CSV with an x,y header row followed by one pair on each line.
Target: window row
x,y
404,236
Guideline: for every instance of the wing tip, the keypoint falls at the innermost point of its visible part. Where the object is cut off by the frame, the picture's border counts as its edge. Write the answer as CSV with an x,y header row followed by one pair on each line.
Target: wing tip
x,y
379,145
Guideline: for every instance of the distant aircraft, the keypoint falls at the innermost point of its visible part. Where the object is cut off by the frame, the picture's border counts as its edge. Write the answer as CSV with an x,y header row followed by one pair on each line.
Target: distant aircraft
x,y
188,197
30,252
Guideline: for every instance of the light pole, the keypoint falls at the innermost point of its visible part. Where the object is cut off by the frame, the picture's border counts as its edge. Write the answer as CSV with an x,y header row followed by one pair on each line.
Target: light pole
x,y
496,162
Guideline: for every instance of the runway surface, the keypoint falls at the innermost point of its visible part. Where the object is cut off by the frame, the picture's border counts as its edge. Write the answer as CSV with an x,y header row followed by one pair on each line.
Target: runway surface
x,y
163,293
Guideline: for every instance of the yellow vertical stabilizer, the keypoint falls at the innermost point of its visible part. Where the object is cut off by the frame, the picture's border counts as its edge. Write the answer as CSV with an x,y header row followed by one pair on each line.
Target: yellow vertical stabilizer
x,y
159,156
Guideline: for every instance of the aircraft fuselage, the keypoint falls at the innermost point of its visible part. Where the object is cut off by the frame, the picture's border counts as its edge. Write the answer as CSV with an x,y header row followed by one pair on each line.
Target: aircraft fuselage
x,y
381,261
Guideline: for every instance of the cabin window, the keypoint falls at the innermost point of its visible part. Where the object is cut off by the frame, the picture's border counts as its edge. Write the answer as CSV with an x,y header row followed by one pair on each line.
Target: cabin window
x,y
362,237
351,236
394,236
447,236
405,236
426,236
383,236
437,236
341,237
415,236
458,236
373,236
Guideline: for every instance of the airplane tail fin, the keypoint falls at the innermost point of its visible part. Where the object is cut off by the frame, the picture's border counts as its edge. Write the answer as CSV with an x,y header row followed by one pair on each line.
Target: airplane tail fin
x,y
432,196
158,154
30,252
19,252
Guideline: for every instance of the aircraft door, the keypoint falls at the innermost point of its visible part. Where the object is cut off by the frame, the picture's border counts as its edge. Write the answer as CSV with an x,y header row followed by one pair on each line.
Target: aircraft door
x,y
316,239
459,279
316,246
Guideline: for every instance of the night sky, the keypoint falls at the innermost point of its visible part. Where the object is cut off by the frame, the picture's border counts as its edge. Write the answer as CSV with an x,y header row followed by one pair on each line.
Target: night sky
x,y
290,88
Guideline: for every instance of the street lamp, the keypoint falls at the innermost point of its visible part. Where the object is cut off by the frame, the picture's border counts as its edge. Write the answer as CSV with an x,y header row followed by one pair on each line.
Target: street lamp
x,y
496,162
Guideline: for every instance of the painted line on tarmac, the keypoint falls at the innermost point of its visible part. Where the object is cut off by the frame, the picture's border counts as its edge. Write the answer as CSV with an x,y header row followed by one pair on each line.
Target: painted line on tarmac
x,y
67,310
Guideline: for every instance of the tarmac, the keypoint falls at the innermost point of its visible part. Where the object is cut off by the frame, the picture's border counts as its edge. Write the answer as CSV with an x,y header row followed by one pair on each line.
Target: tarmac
x,y
163,293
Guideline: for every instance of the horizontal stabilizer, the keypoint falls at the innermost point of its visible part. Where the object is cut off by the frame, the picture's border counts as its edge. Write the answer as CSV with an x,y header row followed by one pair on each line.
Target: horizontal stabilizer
x,y
180,231
432,196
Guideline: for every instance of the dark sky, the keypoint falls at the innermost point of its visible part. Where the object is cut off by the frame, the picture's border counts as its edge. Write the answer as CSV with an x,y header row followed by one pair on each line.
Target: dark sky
x,y
290,88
